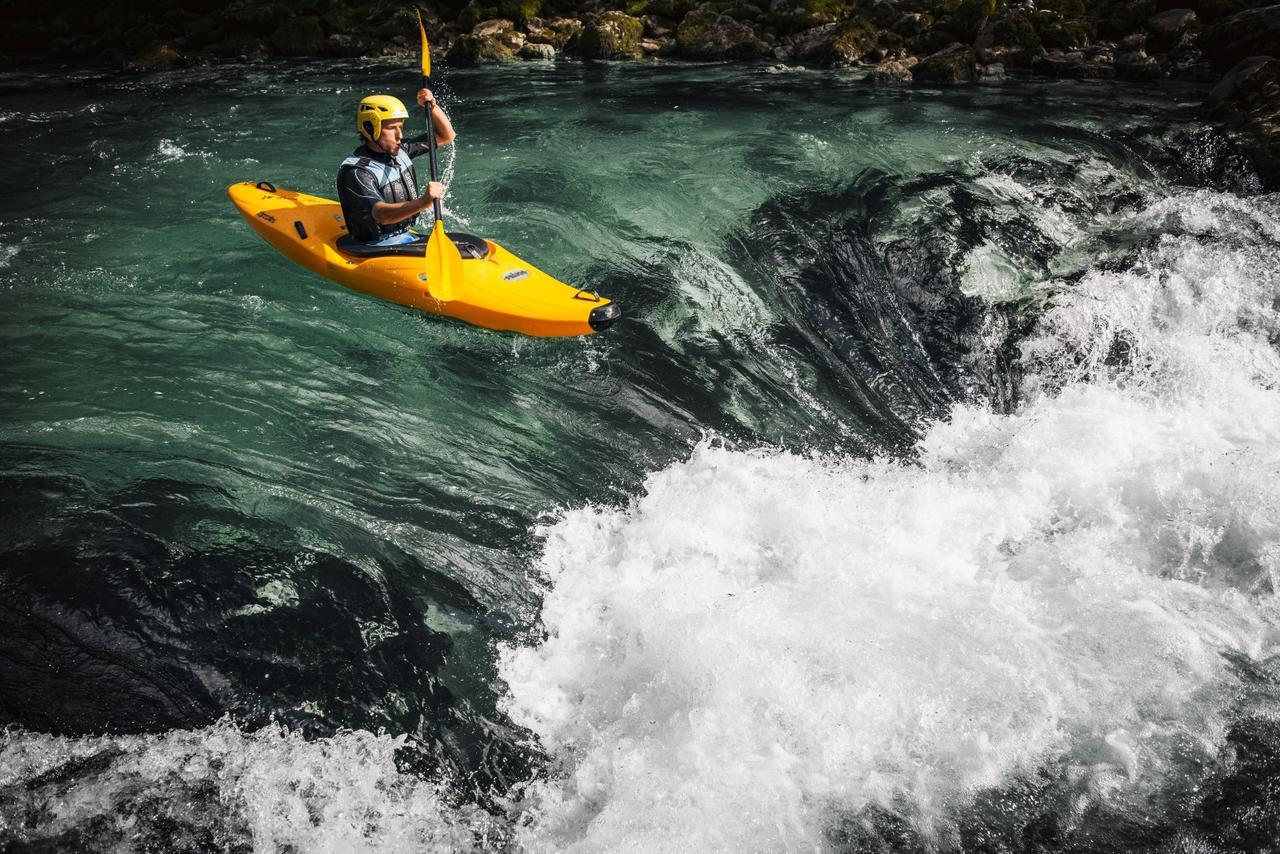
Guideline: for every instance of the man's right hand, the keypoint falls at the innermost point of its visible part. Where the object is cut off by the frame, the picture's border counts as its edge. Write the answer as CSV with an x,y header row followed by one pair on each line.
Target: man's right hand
x,y
435,190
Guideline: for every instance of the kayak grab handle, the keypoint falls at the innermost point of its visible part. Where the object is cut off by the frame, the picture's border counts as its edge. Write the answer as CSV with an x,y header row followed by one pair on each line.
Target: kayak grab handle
x,y
266,186
590,296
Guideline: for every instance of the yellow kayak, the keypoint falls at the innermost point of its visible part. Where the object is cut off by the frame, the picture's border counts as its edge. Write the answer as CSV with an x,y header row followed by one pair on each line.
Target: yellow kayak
x,y
497,290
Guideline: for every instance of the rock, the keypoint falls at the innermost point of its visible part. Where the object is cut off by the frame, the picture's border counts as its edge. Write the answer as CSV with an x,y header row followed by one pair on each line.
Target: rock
x,y
650,46
610,35
1253,32
1247,102
1014,42
347,45
912,24
993,72
1071,65
711,32
1171,23
299,37
1136,65
160,57
492,27
557,33
1168,28
656,28
1135,43
793,16
844,45
893,71
537,50
955,64
480,50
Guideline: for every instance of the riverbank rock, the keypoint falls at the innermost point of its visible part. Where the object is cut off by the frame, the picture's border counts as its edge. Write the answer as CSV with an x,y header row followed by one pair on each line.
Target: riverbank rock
x,y
537,50
955,64
495,44
894,71
844,45
1169,27
557,32
1136,65
299,37
347,45
1253,32
1247,102
161,57
1073,65
718,31
610,35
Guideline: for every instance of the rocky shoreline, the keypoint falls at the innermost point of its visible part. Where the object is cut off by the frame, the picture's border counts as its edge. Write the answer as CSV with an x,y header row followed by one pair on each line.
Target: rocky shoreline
x,y
899,41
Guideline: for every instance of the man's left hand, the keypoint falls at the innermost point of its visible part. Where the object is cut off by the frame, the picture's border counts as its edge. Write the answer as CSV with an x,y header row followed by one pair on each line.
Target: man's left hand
x,y
425,97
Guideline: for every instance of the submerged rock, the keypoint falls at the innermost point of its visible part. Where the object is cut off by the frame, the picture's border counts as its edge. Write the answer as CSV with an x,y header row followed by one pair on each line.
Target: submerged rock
x,y
161,57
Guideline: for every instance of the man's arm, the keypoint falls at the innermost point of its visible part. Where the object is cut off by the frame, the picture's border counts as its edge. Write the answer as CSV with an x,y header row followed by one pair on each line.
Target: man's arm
x,y
439,121
389,213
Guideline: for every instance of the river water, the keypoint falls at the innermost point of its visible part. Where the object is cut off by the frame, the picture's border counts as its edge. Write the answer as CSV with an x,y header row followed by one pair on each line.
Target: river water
x,y
926,499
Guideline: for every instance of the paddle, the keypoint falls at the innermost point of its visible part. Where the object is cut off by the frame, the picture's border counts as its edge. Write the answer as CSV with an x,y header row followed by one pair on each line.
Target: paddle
x,y
444,261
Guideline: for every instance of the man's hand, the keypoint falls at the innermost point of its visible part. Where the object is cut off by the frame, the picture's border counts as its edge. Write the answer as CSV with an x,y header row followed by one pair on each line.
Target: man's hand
x,y
435,190
425,97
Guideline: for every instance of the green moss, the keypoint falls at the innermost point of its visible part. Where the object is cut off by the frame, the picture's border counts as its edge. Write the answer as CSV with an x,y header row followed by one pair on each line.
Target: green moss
x,y
1016,31
610,35
963,17
672,10
1067,35
520,11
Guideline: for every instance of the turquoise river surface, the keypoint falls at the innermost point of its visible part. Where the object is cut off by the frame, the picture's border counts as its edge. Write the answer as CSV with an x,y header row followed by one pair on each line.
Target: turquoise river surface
x,y
926,498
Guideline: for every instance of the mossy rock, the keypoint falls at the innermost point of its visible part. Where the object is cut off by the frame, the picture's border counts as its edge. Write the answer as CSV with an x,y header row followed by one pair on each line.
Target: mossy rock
x,y
479,50
956,64
1067,35
890,43
846,45
1015,31
672,10
712,32
913,24
793,16
520,11
475,12
557,33
159,57
964,17
610,35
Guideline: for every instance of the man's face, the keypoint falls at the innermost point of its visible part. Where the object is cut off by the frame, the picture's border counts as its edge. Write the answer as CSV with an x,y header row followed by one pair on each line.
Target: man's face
x,y
389,139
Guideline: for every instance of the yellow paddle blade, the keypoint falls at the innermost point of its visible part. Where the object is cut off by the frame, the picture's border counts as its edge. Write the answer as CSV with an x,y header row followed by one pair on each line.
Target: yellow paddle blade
x,y
426,51
444,264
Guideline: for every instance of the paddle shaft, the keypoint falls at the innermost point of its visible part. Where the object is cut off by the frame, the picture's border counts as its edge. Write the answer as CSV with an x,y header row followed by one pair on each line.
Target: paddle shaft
x,y
431,146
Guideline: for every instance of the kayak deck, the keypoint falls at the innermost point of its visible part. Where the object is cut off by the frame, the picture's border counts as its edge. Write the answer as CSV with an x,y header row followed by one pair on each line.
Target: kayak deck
x,y
497,291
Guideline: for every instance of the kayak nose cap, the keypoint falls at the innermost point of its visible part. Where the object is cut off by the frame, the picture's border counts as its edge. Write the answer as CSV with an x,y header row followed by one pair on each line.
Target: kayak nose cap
x,y
603,317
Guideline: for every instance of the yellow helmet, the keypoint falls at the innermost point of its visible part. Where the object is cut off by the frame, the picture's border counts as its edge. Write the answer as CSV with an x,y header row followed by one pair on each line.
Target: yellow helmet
x,y
376,109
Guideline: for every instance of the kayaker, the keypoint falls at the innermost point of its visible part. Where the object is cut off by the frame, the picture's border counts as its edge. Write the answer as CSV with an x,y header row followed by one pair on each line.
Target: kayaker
x,y
377,185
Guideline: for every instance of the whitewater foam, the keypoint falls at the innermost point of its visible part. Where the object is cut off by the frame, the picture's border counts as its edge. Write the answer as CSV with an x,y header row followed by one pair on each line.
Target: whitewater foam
x,y
765,644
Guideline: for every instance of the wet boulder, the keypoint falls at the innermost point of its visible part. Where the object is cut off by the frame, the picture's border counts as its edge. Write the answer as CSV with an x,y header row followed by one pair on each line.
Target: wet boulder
x,y
487,49
610,35
1011,40
955,64
1247,102
1073,65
